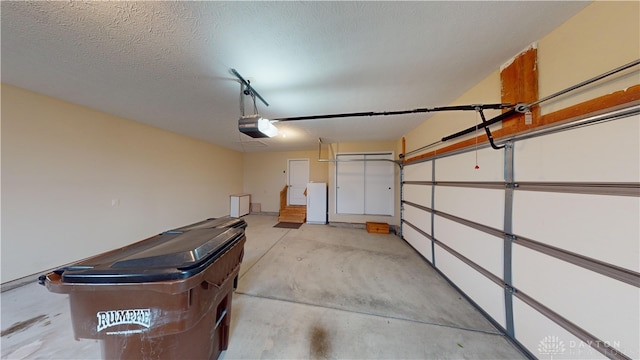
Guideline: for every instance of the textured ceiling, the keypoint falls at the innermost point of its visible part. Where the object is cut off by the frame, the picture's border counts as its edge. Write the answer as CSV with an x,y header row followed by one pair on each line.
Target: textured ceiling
x,y
168,63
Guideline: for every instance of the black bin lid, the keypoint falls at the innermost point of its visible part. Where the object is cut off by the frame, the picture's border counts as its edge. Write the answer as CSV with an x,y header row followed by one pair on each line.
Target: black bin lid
x,y
221,222
168,256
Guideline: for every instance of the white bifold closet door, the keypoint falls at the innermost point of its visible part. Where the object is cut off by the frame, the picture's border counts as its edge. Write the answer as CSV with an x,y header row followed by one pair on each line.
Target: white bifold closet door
x,y
364,186
378,185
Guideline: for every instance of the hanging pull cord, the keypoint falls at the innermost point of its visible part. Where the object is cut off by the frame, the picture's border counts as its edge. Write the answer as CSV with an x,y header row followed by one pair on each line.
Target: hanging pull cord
x,y
487,130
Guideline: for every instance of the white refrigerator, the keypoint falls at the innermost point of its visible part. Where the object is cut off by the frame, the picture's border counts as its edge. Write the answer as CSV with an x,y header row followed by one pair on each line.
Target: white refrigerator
x,y
316,203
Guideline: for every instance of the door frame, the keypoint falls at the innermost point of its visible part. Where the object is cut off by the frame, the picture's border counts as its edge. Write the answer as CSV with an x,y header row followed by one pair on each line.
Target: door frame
x,y
289,176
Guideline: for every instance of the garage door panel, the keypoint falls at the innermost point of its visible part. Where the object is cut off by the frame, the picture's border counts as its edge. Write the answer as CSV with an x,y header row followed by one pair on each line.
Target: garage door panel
x,y
418,194
418,172
605,228
484,292
606,152
421,243
418,218
484,249
483,206
607,308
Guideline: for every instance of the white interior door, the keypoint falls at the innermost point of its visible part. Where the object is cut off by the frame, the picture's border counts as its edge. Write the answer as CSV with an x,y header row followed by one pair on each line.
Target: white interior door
x,y
297,181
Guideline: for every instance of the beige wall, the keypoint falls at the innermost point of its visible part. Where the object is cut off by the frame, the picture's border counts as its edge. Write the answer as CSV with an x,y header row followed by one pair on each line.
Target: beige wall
x,y
77,182
600,38
446,123
604,36
265,175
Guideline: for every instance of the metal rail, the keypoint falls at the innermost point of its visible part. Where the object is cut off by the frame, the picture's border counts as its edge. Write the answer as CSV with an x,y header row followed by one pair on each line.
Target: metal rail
x,y
320,159
589,188
400,112
578,123
248,86
523,108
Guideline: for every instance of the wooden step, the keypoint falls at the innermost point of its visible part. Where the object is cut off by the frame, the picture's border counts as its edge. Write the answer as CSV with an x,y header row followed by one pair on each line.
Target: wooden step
x,y
377,228
297,220
295,214
298,210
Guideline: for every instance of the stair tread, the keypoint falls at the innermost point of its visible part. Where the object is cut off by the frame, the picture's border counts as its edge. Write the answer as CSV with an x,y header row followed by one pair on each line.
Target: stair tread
x,y
300,221
293,213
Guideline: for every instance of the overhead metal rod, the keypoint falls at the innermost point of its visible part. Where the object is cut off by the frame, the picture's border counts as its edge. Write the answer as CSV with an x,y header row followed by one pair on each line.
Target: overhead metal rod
x,y
522,108
525,107
320,159
400,112
482,125
248,86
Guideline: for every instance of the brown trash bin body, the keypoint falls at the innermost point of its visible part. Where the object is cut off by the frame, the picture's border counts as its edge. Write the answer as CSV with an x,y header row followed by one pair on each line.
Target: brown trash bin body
x,y
157,299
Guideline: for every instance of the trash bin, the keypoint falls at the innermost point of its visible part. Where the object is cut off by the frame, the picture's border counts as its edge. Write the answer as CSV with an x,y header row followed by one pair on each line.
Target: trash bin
x,y
166,297
225,221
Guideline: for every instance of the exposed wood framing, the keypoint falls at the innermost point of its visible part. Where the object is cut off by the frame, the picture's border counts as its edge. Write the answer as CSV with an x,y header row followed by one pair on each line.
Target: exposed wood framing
x,y
627,97
516,125
519,82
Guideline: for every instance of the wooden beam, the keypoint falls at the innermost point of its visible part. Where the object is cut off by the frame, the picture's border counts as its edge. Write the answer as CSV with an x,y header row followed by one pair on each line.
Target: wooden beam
x,y
519,82
599,104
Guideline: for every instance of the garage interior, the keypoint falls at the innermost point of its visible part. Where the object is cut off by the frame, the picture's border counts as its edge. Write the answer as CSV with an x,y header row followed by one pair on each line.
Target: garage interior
x,y
513,159
369,302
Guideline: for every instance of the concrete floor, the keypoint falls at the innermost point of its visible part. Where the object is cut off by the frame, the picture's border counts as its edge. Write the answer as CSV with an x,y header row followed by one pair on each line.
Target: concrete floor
x,y
318,292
